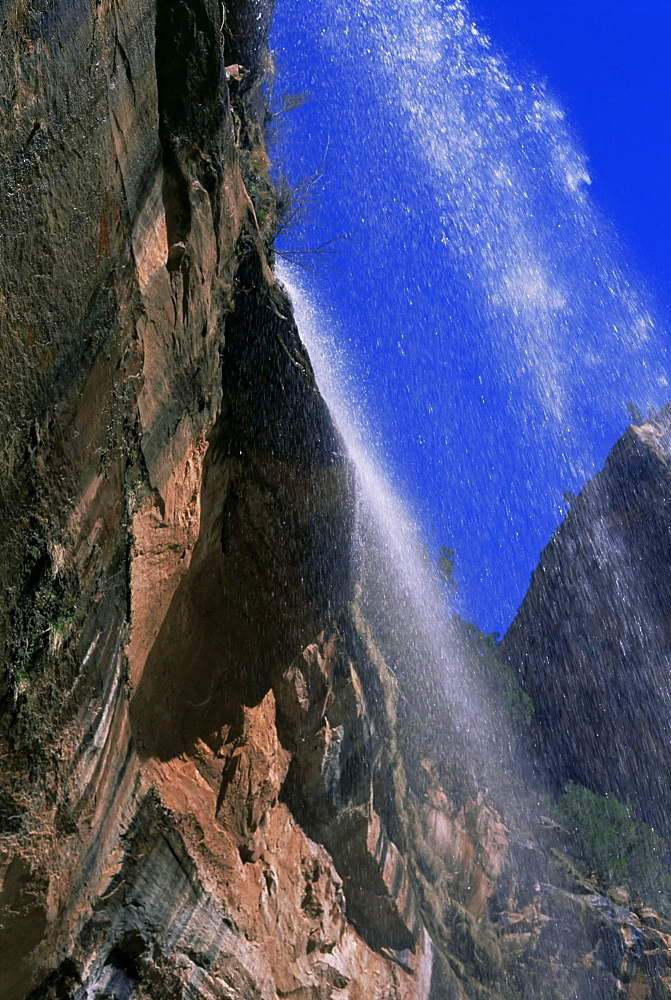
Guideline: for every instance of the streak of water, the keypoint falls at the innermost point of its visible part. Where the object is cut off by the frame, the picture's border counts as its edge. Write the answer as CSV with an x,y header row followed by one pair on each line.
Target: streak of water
x,y
403,603
510,184
511,207
497,328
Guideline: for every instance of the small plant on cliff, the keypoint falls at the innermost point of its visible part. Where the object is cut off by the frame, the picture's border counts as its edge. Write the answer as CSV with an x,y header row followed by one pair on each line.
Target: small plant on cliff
x,y
499,680
43,610
614,845
480,650
635,414
288,203
446,559
279,106
293,204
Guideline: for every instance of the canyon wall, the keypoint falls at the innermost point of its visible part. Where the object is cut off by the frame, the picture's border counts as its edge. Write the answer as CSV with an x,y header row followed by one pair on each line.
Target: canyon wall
x,y
211,785
591,641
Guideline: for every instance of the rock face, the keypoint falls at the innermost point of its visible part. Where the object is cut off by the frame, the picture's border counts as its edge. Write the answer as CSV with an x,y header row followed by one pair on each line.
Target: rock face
x,y
592,639
209,788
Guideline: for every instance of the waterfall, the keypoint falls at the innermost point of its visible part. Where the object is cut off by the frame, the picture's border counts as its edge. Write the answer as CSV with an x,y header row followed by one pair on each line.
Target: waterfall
x,y
399,592
497,330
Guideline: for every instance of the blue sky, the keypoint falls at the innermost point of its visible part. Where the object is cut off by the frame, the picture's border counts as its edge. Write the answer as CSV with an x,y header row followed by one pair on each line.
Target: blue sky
x,y
609,62
506,278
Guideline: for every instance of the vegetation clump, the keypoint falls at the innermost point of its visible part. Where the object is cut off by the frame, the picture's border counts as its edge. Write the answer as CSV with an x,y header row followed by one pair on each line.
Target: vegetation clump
x,y
498,680
612,844
44,610
260,114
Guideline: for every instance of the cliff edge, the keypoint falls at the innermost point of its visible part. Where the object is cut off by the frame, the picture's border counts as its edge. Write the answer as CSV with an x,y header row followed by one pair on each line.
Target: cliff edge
x,y
591,641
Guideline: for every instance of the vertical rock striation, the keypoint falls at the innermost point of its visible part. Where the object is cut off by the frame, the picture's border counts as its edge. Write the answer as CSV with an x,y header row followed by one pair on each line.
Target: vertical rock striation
x,y
177,521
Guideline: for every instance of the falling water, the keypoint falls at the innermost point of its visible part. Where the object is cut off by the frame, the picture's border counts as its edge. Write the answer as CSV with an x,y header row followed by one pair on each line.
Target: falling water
x,y
510,186
496,328
399,592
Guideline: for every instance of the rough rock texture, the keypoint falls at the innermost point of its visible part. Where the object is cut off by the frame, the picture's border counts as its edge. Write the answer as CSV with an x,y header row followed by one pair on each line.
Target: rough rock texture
x,y
592,639
208,787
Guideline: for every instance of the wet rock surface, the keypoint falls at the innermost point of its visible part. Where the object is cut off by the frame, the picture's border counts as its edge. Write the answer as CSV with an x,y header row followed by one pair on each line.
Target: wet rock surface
x,y
592,639
208,785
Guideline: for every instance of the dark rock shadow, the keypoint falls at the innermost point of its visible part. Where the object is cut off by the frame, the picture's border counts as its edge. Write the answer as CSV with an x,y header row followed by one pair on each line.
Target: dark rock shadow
x,y
272,564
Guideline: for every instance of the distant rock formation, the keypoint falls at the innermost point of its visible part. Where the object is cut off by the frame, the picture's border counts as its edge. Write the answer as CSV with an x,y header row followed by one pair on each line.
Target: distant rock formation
x,y
591,641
